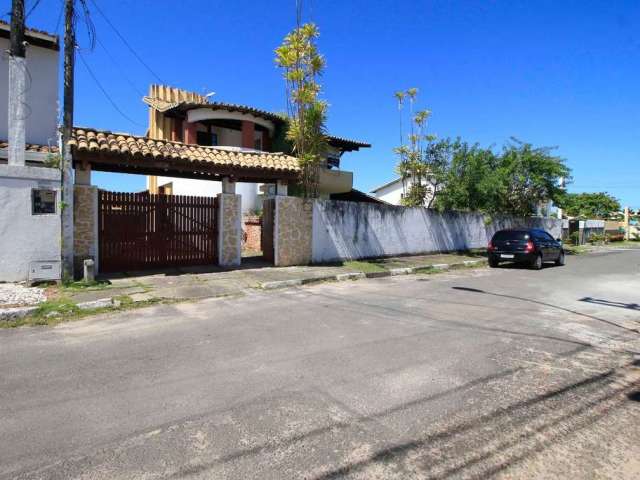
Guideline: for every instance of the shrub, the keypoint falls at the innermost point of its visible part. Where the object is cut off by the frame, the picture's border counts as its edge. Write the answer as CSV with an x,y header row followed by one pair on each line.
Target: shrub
x,y
597,238
574,238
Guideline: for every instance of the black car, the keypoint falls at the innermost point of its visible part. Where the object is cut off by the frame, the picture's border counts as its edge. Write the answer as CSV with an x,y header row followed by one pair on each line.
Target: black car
x,y
528,246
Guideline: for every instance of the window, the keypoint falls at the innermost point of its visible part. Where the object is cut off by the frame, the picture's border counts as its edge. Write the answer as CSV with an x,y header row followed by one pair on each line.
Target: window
x,y
257,144
207,139
43,201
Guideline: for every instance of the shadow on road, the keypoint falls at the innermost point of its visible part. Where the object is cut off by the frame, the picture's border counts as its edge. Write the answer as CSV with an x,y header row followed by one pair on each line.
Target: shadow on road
x,y
546,304
609,303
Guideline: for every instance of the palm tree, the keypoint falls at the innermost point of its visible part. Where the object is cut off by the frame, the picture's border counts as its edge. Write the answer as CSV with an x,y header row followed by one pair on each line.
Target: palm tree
x,y
400,97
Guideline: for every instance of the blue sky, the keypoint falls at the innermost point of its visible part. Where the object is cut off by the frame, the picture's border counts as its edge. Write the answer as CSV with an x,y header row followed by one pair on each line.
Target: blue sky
x,y
553,73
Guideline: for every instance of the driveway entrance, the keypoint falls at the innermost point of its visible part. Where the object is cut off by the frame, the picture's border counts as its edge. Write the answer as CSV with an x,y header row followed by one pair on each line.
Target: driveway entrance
x,y
139,231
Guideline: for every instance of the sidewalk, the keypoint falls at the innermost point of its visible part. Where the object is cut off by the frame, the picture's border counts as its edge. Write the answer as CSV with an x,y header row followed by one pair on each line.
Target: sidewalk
x,y
196,283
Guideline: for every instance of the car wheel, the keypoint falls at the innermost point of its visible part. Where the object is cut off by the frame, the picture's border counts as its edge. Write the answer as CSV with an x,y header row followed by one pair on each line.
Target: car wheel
x,y
493,263
560,260
537,263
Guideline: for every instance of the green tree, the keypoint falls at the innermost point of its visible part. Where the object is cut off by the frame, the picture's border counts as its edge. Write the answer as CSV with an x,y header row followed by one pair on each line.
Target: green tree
x,y
302,65
423,161
515,181
528,177
590,205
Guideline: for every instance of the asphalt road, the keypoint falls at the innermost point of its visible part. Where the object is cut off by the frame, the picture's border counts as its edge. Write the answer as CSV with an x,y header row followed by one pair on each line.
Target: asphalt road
x,y
483,373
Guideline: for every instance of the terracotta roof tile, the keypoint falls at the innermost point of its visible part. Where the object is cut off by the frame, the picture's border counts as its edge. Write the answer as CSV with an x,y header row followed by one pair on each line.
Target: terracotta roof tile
x,y
32,147
91,140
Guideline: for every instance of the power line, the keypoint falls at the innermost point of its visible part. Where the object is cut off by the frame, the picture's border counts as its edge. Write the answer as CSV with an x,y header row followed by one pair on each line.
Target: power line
x,y
57,29
125,42
122,70
33,7
108,97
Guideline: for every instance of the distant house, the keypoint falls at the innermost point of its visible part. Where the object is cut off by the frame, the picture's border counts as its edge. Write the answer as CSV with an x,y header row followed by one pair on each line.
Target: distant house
x,y
392,192
188,117
30,185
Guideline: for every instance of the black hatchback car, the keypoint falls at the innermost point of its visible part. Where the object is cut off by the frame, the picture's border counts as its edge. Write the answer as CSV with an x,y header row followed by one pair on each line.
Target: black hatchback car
x,y
528,246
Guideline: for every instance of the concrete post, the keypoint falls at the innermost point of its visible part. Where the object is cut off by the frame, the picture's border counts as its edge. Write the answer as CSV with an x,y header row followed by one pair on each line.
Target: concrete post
x,y
281,188
83,175
18,89
229,229
228,185
627,233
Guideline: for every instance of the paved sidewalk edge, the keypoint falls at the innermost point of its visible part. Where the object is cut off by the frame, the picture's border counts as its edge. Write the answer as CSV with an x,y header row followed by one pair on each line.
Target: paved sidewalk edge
x,y
341,277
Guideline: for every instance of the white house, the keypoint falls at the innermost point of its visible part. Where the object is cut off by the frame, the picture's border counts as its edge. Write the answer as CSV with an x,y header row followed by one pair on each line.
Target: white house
x,y
392,192
30,189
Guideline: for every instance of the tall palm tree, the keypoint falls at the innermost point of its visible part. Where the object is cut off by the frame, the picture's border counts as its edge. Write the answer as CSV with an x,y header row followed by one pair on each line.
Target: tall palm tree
x,y
400,97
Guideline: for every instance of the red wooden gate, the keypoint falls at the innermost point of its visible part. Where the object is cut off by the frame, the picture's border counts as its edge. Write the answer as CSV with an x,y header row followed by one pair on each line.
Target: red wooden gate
x,y
138,231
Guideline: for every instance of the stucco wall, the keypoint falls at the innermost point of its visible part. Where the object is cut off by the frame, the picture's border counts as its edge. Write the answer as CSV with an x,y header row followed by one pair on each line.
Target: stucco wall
x,y
42,96
293,236
350,230
24,237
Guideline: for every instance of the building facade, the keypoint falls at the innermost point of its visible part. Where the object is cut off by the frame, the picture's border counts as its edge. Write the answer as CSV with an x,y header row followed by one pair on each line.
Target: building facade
x,y
182,116
30,185
393,192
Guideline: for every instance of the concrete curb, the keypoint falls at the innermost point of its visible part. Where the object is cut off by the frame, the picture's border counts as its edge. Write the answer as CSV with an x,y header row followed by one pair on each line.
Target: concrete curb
x,y
15,313
100,303
281,284
341,277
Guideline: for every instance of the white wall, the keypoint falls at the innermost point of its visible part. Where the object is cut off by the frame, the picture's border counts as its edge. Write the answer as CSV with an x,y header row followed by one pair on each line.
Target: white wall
x,y
42,64
24,237
208,188
351,230
392,193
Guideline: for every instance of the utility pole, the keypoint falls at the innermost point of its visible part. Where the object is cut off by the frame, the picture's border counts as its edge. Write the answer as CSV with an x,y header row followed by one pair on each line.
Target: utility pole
x,y
67,129
562,185
17,114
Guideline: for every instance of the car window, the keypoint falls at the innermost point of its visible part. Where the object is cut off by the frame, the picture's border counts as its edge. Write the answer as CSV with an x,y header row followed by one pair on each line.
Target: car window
x,y
549,237
504,235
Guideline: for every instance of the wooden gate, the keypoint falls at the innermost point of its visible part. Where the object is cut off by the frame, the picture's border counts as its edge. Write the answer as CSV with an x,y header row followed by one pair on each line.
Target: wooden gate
x,y
138,231
268,227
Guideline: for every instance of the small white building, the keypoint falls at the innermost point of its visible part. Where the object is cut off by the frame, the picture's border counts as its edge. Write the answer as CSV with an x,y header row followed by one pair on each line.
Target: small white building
x,y
392,192
30,190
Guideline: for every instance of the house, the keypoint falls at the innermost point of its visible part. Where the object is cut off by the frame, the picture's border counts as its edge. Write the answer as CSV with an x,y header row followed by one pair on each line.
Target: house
x,y
30,182
182,116
392,192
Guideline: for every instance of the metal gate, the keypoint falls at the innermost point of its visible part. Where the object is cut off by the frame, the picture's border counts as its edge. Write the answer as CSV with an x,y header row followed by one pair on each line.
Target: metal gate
x,y
138,231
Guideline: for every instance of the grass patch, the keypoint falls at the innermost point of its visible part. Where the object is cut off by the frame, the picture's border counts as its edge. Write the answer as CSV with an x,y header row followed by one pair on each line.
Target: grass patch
x,y
86,286
53,312
363,266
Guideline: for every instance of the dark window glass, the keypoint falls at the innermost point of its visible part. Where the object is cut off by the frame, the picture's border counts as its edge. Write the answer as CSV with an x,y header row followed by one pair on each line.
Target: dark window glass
x,y
207,139
43,202
505,235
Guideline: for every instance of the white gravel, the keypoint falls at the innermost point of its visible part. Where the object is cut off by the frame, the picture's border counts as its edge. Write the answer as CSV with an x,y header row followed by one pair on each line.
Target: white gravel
x,y
13,295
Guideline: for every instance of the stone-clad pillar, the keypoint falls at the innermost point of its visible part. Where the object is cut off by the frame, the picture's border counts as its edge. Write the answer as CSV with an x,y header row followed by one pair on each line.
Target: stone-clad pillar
x,y
85,227
229,229
293,231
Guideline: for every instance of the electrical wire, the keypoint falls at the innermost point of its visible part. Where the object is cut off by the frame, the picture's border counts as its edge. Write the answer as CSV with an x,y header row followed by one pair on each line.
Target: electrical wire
x,y
59,20
124,40
104,92
33,7
122,70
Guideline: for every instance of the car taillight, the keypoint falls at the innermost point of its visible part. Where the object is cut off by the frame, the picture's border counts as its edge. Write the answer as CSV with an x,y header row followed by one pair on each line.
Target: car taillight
x,y
490,247
530,247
